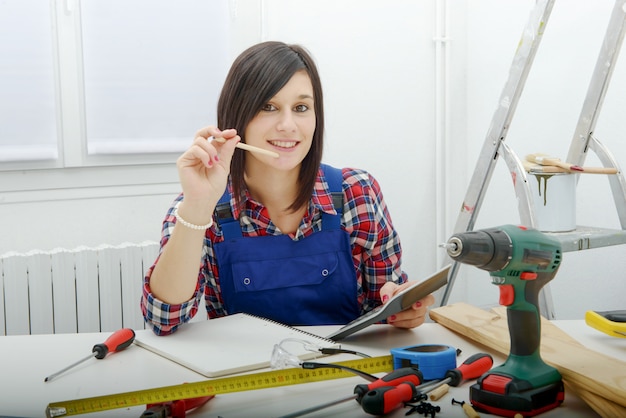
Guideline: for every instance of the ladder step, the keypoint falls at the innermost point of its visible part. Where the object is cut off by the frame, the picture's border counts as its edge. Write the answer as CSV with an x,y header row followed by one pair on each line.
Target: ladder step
x,y
586,238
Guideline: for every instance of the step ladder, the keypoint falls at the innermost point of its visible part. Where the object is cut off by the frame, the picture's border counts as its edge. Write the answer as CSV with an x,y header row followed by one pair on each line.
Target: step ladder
x,y
582,237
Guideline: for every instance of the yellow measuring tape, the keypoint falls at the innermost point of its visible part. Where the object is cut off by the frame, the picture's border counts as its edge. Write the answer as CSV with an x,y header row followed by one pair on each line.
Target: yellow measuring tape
x,y
241,383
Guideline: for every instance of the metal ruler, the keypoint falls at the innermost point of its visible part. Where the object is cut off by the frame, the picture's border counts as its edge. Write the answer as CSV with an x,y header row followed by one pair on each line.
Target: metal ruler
x,y
240,383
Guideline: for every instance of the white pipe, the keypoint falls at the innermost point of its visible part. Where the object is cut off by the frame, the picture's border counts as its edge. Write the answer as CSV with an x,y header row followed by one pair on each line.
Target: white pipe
x,y
442,121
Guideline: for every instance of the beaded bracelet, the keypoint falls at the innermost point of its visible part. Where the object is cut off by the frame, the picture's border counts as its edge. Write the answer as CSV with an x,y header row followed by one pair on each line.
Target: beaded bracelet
x,y
189,224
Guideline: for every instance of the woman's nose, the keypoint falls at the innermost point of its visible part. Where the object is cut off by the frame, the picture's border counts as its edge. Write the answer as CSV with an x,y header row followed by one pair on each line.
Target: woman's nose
x,y
286,122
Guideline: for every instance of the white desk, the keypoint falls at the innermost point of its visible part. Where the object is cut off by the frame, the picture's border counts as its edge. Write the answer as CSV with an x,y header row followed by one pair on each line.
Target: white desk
x,y
26,360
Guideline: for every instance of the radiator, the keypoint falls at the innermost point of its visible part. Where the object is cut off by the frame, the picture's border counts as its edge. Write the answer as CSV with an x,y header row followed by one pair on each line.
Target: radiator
x,y
68,291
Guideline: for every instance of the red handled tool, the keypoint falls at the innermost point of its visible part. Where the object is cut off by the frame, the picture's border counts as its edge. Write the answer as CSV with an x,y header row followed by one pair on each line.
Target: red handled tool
x,y
174,409
117,341
385,399
472,368
398,377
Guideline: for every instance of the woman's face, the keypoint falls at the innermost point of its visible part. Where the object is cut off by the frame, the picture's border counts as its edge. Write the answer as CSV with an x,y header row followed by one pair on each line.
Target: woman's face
x,y
285,124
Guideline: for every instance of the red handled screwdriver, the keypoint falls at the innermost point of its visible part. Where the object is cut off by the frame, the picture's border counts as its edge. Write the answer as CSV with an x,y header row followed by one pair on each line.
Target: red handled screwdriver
x,y
473,367
397,377
385,399
118,341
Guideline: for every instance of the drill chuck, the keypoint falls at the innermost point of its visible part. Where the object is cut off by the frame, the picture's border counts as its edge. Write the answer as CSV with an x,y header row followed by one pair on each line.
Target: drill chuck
x,y
454,246
488,249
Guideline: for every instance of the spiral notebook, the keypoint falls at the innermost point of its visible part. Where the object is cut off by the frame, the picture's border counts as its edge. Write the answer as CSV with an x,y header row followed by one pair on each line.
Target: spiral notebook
x,y
228,345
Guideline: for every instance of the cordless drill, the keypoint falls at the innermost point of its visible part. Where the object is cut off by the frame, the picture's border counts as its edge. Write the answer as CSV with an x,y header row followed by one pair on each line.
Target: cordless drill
x,y
520,262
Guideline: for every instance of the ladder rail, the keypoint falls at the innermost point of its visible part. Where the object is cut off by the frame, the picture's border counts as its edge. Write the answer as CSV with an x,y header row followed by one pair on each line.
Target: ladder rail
x,y
520,67
616,181
598,86
524,196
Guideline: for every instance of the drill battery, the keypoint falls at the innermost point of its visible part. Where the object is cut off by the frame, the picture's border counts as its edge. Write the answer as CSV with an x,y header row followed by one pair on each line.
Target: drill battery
x,y
507,396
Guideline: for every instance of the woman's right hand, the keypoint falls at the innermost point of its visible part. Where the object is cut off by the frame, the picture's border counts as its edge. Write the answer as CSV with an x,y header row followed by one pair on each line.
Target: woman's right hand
x,y
203,169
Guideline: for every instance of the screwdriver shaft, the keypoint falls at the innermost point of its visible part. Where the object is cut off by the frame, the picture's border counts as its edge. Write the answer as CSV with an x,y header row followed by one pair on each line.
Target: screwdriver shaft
x,y
53,375
319,407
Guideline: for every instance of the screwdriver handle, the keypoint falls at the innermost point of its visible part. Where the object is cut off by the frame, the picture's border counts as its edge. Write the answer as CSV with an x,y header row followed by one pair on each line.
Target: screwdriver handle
x,y
385,399
398,376
475,366
117,341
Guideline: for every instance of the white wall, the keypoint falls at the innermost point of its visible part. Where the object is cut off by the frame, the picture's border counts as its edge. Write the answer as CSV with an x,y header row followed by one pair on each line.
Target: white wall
x,y
412,111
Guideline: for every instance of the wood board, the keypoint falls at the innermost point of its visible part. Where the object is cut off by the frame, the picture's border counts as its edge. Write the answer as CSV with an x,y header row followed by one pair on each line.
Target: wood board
x,y
598,379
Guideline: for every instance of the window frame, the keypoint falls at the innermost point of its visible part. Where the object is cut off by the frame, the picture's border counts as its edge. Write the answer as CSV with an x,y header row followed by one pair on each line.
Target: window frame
x,y
75,174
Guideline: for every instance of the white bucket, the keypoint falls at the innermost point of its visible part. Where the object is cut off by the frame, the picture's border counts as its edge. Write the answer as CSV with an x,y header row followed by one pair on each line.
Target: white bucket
x,y
554,198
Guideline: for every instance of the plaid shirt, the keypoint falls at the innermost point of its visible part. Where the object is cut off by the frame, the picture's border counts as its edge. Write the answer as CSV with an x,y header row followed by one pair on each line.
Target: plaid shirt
x,y
376,249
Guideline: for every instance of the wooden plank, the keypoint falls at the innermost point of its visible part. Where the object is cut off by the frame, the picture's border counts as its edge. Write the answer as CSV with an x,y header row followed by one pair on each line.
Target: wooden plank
x,y
602,406
581,368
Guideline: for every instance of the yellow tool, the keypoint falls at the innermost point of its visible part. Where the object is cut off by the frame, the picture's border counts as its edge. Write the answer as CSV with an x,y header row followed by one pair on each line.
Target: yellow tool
x,y
612,323
263,380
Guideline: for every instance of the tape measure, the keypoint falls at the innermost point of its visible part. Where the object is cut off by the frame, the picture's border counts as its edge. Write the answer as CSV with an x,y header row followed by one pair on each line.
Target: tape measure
x,y
255,381
433,360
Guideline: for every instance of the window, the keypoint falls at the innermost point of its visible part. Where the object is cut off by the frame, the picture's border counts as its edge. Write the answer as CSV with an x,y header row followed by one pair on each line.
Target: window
x,y
104,82
152,71
28,109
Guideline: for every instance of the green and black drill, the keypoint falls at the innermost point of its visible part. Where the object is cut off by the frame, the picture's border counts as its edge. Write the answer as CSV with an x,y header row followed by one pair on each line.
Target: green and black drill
x,y
520,262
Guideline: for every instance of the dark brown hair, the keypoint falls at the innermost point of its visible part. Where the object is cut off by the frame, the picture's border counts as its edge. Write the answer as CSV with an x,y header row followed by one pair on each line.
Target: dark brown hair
x,y
255,77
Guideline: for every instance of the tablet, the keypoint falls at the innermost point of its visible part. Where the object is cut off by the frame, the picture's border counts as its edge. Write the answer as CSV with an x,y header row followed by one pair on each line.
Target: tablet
x,y
399,302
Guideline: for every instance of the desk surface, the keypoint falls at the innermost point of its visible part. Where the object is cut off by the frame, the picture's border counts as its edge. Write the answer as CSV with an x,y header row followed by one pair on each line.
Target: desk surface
x,y
26,360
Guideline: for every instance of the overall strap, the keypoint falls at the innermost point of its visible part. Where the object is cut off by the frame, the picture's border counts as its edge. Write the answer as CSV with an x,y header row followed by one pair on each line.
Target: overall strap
x,y
229,225
334,178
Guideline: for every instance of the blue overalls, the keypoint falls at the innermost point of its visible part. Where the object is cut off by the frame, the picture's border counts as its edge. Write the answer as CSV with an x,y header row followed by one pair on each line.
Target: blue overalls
x,y
311,281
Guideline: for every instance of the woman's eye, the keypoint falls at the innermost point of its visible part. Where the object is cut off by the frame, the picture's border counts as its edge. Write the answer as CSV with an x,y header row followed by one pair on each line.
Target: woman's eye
x,y
301,108
268,107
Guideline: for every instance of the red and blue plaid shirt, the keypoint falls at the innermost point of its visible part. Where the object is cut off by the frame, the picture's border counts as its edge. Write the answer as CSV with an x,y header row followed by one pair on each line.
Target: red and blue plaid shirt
x,y
376,249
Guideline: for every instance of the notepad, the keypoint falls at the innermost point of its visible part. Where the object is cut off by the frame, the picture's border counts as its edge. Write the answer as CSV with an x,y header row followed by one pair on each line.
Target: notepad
x,y
228,345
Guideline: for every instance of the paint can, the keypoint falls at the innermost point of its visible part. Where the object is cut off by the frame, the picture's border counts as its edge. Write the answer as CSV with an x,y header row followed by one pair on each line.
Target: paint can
x,y
554,197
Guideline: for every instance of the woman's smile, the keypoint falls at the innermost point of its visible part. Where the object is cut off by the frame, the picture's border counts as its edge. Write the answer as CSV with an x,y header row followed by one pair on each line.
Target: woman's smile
x,y
283,143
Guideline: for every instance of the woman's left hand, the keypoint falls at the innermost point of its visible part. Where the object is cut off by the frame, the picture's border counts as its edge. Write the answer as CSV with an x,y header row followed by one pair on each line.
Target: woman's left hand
x,y
412,317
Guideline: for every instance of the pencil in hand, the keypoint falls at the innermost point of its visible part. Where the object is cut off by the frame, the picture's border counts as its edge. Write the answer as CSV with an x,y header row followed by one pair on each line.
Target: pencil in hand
x,y
250,148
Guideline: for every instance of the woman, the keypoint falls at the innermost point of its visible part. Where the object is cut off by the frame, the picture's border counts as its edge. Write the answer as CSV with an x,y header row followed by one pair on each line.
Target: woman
x,y
285,238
